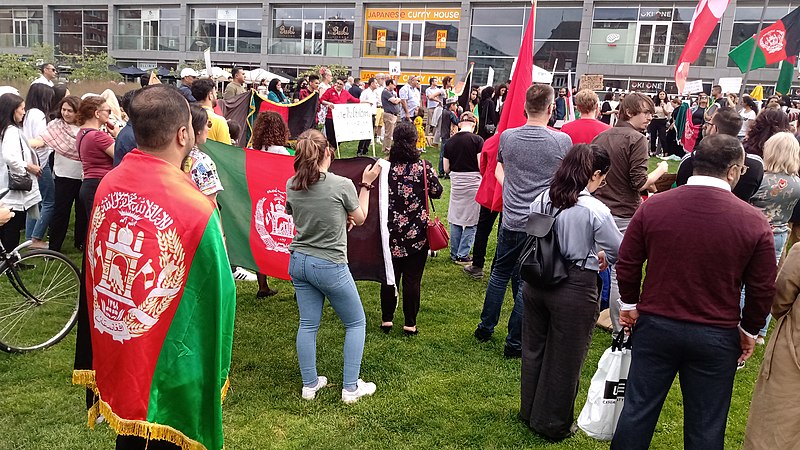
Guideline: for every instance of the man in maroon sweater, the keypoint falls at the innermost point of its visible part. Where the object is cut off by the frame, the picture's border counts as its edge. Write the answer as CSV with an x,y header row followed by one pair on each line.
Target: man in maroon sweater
x,y
686,316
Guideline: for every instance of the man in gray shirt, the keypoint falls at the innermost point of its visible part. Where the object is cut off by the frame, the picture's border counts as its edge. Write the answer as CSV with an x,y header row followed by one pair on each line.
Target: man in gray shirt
x,y
391,112
527,159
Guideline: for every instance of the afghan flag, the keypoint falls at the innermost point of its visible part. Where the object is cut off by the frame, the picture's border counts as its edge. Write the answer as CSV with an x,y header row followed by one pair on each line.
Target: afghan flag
x,y
784,85
705,19
244,109
258,230
161,302
778,42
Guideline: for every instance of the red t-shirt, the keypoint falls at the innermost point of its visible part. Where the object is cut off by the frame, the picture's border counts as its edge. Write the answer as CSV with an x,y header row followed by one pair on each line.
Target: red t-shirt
x,y
583,131
92,145
337,98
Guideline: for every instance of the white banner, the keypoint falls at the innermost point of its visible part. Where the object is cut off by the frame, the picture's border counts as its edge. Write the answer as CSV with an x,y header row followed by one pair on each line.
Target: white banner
x,y
207,58
352,122
490,80
693,87
731,84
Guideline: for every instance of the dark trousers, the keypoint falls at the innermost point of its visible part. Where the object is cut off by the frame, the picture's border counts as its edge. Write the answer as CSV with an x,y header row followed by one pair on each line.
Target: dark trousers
x,y
66,195
407,270
87,193
330,132
83,338
10,232
486,220
138,443
657,128
363,145
704,357
557,329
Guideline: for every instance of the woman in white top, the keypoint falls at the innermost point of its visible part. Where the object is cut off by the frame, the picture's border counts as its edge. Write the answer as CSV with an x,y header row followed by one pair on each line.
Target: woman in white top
x,y
18,158
38,104
60,136
748,114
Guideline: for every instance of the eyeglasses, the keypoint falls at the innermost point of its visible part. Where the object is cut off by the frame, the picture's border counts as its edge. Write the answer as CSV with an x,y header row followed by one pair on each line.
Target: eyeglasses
x,y
742,168
105,110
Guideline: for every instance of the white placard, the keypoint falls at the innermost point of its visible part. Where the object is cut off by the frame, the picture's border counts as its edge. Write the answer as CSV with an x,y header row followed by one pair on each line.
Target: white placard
x,y
352,122
490,80
394,68
731,84
541,76
693,87
207,57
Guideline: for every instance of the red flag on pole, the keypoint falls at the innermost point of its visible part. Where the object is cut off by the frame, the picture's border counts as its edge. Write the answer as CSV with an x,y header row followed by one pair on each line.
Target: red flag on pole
x,y
490,193
706,17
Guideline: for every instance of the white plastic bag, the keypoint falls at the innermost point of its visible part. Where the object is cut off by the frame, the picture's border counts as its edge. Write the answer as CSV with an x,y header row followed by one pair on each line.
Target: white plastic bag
x,y
606,396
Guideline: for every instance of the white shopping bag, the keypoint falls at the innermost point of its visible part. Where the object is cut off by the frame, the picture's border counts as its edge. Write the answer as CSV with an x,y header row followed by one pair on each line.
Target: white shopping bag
x,y
606,396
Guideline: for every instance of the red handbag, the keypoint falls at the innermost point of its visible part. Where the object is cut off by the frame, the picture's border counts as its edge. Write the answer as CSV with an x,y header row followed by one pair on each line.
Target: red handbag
x,y
438,237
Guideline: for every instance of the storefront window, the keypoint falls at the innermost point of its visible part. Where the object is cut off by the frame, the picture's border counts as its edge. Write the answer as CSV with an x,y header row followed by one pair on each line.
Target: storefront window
x,y
148,29
80,31
236,30
313,31
20,27
496,33
644,35
425,32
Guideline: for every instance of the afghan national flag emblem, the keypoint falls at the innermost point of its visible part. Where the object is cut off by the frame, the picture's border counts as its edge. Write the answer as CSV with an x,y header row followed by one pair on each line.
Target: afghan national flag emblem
x,y
258,230
779,41
161,302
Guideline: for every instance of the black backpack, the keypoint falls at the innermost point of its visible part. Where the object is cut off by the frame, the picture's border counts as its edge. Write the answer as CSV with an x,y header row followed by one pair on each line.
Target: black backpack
x,y
541,263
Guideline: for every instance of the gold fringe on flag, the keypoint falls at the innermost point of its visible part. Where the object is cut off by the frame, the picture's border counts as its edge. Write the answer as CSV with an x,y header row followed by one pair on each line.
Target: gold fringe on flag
x,y
83,378
225,389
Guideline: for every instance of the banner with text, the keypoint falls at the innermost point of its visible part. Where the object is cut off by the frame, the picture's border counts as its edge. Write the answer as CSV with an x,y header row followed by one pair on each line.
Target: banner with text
x,y
352,122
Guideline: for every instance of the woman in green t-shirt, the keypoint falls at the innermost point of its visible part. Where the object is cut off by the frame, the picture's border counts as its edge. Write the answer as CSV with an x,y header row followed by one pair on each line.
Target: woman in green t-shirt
x,y
324,206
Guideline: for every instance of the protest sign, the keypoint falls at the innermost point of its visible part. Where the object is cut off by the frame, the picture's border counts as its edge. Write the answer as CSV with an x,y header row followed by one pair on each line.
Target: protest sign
x,y
352,122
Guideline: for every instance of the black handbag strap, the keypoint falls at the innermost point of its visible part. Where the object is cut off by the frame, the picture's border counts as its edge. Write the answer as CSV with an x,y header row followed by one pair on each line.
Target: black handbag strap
x,y
550,202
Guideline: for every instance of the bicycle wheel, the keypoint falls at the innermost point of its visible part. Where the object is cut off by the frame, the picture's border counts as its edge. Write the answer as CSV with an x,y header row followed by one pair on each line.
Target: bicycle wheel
x,y
39,305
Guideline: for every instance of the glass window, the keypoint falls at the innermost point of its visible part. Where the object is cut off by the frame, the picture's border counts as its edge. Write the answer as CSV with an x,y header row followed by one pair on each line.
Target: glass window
x,y
313,13
80,31
558,23
441,39
250,13
373,45
683,14
480,73
497,16
288,13
546,53
754,14
616,13
170,14
67,21
100,15
125,14
340,13
249,32
495,41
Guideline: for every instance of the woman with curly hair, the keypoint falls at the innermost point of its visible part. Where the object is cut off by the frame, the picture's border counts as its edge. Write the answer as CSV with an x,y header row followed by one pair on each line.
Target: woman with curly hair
x,y
766,125
270,133
408,223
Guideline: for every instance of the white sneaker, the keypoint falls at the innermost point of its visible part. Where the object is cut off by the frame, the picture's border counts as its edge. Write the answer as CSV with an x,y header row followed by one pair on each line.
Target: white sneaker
x,y
760,340
310,392
362,388
240,274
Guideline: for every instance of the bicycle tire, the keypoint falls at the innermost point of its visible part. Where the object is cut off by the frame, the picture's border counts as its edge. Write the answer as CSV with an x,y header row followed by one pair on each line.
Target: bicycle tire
x,y
42,307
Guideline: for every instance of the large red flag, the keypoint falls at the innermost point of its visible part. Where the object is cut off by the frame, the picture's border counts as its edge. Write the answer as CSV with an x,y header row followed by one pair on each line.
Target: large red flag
x,y
490,193
706,17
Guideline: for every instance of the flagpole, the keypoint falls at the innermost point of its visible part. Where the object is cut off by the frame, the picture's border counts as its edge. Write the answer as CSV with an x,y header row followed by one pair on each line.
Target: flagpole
x,y
753,52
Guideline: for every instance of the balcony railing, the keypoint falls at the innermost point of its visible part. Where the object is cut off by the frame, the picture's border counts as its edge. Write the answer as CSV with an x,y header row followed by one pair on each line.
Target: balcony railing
x,y
605,53
16,40
161,43
278,46
224,45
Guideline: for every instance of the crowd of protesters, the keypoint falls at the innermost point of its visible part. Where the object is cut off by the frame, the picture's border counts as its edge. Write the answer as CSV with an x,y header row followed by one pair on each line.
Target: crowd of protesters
x,y
702,306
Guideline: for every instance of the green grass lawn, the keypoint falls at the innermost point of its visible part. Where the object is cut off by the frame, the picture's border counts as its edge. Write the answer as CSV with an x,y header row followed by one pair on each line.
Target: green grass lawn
x,y
440,389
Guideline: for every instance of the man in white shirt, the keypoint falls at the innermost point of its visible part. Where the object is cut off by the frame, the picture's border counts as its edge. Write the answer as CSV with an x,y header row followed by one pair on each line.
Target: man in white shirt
x,y
49,73
369,95
409,99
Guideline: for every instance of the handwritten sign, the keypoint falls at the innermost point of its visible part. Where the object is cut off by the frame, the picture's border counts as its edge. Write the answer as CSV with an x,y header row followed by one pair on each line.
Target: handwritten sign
x,y
591,82
730,84
693,87
352,122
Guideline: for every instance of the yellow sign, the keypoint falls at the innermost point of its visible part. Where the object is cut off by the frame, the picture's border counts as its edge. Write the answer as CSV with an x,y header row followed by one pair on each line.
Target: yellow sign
x,y
413,14
381,38
441,38
424,78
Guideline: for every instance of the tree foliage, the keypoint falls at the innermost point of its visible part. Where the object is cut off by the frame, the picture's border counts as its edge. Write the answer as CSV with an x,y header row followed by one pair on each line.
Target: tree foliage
x,y
337,70
14,67
93,67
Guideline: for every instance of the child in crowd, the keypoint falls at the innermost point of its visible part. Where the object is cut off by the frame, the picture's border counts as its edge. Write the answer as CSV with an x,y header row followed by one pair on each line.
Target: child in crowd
x,y
418,123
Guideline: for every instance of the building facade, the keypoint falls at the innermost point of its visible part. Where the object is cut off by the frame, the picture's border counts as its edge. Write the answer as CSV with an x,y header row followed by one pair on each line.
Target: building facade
x,y
634,44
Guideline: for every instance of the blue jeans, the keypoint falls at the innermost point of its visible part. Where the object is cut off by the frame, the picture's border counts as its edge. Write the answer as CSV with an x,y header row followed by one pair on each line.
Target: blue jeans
x,y
38,228
461,240
505,267
780,242
314,279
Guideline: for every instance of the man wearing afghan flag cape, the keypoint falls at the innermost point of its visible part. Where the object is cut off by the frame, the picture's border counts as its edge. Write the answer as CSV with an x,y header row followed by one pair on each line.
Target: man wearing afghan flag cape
x,y
160,293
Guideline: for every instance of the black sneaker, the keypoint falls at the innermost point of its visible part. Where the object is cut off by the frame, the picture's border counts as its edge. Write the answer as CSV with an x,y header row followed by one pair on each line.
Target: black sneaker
x,y
463,261
512,353
482,335
473,271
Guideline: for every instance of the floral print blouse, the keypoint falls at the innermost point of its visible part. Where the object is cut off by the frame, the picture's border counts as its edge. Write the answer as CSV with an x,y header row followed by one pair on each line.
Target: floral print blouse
x,y
776,198
408,217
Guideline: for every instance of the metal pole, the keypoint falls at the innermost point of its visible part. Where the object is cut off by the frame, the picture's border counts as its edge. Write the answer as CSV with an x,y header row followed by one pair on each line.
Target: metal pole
x,y
755,47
